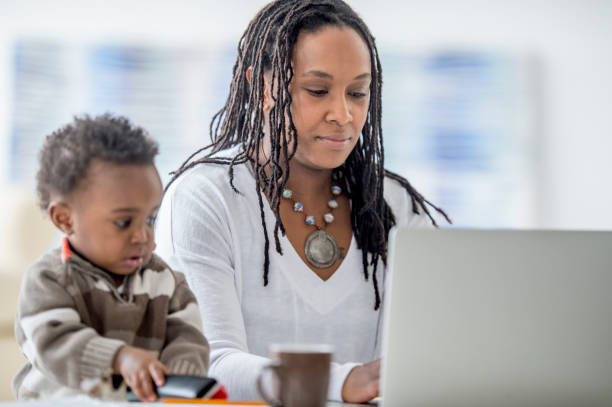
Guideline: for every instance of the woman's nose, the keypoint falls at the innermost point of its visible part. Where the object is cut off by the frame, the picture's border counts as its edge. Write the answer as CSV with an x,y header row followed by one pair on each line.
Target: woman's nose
x,y
339,110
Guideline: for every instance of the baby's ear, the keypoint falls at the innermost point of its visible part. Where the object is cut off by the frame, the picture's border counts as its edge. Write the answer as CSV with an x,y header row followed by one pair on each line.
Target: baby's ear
x,y
61,216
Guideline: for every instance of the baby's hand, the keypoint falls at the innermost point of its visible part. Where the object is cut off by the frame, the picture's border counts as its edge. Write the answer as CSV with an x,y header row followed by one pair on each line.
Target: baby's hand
x,y
138,367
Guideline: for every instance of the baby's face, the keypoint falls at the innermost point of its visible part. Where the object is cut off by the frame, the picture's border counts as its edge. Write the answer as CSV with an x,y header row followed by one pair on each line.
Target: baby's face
x,y
113,213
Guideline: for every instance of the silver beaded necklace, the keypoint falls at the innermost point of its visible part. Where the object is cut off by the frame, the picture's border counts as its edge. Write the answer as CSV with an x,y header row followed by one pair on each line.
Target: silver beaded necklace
x,y
321,248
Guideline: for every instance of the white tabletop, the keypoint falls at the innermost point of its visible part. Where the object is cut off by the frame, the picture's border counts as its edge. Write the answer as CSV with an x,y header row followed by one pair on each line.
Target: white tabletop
x,y
97,403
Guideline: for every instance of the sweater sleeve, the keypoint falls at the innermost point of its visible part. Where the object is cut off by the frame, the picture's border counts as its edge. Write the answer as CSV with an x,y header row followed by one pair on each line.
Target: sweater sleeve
x,y
193,235
231,362
53,338
186,350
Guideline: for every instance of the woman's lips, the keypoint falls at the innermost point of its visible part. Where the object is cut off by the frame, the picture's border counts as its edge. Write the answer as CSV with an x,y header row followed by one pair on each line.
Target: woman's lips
x,y
335,143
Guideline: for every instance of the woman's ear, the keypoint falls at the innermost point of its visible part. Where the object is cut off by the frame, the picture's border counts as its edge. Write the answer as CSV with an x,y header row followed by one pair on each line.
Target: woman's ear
x,y
249,74
268,101
61,216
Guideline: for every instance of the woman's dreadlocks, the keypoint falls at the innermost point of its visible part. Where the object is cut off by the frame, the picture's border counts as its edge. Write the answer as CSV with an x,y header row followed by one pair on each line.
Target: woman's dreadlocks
x,y
267,46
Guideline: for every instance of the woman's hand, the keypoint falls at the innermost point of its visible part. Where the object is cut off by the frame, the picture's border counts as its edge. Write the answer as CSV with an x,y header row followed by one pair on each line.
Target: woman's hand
x,y
138,367
362,383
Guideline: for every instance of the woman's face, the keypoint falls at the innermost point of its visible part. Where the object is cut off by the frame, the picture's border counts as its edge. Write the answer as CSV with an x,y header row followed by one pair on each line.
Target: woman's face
x,y
330,94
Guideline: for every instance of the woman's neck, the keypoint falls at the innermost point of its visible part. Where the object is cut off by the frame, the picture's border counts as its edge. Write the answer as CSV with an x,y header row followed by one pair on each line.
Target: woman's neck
x,y
309,182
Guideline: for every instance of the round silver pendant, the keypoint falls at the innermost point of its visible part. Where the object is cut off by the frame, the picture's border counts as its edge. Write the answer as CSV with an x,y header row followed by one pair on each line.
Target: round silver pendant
x,y
321,249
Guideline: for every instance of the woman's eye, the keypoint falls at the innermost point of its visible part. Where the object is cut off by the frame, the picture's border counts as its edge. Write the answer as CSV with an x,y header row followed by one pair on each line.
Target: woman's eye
x,y
151,220
316,92
358,94
123,223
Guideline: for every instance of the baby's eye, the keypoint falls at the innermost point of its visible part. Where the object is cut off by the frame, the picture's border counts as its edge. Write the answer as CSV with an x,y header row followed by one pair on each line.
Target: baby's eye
x,y
123,223
151,220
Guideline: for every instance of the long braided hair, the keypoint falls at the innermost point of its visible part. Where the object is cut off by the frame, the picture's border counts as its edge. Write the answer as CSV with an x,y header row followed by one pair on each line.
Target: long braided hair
x,y
266,47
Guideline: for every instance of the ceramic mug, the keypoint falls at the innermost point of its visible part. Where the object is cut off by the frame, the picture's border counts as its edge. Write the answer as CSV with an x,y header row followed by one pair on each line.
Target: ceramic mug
x,y
302,372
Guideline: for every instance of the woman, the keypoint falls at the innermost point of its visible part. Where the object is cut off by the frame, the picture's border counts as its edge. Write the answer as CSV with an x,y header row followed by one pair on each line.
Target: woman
x,y
296,159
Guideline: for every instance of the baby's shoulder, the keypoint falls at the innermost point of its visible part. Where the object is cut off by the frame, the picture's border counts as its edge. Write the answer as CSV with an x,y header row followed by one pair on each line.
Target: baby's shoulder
x,y
160,271
157,264
49,265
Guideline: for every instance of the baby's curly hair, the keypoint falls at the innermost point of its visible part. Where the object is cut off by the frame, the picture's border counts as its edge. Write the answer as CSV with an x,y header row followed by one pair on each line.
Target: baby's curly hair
x,y
68,152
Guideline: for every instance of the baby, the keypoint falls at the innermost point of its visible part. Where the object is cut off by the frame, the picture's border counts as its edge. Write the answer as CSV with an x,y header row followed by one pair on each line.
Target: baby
x,y
103,304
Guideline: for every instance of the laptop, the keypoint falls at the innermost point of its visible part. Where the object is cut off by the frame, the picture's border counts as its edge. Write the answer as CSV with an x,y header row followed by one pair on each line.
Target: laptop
x,y
498,318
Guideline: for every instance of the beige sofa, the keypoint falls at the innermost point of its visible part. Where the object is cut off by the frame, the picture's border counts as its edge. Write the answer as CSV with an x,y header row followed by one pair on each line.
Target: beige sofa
x,y
26,234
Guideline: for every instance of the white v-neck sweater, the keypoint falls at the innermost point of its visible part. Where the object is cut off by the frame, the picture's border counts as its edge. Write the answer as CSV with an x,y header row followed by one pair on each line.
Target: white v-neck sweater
x,y
215,237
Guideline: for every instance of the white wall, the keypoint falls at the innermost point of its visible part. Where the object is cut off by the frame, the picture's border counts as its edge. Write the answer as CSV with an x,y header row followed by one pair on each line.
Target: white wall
x,y
570,39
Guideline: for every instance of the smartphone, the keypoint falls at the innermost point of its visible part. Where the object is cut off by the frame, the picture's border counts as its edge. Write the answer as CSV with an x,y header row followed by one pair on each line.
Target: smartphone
x,y
184,387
